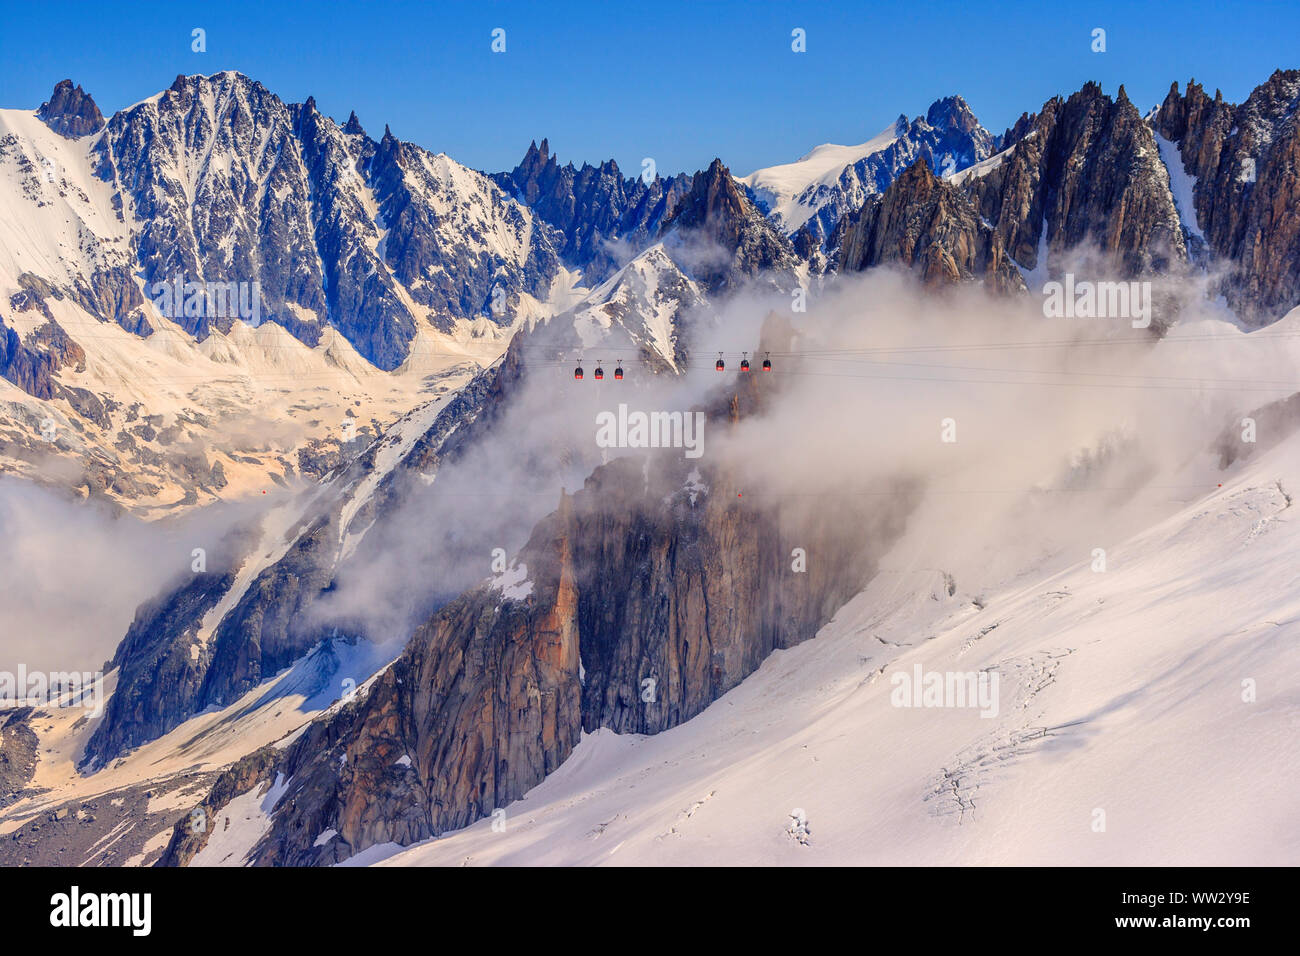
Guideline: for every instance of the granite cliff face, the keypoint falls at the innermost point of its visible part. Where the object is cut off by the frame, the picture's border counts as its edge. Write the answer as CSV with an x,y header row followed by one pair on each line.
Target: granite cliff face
x,y
927,224
1083,176
644,597
1086,173
1246,164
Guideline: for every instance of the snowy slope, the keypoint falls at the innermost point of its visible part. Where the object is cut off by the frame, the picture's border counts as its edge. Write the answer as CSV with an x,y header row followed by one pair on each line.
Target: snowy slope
x,y
639,306
1181,184
56,218
1120,692
248,401
818,189
172,769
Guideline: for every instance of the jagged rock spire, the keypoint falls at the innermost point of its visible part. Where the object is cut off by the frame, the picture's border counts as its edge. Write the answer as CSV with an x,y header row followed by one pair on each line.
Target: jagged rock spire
x,y
71,112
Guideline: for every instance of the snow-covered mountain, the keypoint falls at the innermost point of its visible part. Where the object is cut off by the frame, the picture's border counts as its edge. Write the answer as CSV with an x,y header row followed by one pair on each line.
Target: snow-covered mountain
x,y
217,178
812,193
338,677
356,256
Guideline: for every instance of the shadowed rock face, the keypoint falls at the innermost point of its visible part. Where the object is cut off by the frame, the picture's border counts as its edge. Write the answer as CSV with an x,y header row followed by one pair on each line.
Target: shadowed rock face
x,y
167,675
107,292
160,677
71,112
31,363
605,219
1246,160
644,597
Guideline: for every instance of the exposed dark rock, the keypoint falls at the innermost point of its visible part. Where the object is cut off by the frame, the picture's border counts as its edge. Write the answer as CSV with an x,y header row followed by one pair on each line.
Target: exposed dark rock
x,y
31,370
724,239
161,662
928,224
1088,172
104,831
71,112
1246,160
1082,180
51,338
18,753
605,218
668,593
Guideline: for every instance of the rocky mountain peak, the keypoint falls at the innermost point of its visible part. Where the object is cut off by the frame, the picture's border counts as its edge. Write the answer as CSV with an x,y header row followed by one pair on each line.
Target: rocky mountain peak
x,y
948,136
918,175
727,235
70,111
1082,173
952,112
1244,160
713,199
353,125
604,217
925,223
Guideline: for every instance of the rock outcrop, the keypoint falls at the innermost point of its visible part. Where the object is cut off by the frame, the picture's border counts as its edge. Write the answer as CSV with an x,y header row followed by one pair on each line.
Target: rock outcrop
x,y
19,751
927,224
31,363
1085,174
1081,184
71,112
604,217
1246,164
724,239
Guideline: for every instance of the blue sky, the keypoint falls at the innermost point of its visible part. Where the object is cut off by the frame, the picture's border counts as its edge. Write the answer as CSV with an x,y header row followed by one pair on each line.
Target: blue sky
x,y
679,82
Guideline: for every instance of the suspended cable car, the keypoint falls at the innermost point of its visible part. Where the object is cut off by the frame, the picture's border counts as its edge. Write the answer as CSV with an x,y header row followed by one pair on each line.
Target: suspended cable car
x,y
618,371
577,373
744,362
720,365
767,363
599,373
